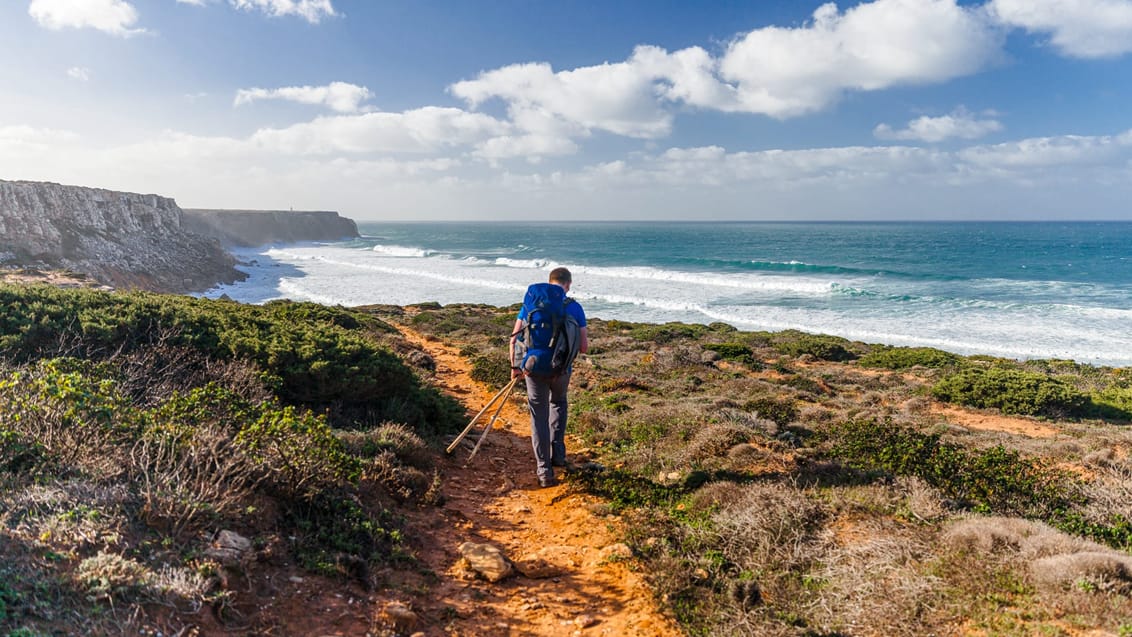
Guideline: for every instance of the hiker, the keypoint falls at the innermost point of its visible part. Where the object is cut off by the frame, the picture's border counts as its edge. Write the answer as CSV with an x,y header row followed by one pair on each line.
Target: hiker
x,y
549,332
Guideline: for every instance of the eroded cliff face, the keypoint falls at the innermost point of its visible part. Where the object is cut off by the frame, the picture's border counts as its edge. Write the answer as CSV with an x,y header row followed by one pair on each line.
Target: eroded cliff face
x,y
260,227
126,240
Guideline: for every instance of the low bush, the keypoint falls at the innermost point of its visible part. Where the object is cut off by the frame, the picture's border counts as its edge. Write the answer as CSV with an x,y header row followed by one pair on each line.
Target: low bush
x,y
1113,402
992,480
820,346
781,409
659,333
1012,391
491,369
906,357
736,352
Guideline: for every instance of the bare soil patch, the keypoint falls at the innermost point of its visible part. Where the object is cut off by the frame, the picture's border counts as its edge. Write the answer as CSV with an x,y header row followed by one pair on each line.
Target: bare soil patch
x,y
994,422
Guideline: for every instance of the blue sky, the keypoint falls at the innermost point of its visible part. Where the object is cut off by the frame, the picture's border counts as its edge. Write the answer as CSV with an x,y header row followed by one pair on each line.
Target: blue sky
x,y
767,110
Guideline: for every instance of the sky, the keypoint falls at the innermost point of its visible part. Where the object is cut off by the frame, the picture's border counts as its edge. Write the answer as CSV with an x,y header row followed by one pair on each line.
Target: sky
x,y
604,110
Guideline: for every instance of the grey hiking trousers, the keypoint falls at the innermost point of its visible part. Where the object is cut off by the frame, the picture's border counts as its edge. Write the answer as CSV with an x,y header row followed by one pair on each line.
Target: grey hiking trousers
x,y
548,405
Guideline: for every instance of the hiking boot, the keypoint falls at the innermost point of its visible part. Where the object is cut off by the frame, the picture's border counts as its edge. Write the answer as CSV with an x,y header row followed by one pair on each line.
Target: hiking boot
x,y
548,481
558,462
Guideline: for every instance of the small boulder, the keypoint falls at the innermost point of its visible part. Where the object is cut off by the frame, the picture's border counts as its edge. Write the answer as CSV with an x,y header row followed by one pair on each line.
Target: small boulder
x,y
487,560
229,548
397,616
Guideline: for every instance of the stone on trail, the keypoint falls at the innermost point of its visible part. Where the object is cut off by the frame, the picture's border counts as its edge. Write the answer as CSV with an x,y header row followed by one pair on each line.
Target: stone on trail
x,y
229,548
487,560
397,616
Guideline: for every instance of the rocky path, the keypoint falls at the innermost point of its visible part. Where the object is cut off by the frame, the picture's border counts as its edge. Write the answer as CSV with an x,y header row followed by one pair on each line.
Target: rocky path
x,y
572,577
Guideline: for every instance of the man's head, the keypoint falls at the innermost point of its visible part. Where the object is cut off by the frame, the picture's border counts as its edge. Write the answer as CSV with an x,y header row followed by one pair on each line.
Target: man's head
x,y
561,276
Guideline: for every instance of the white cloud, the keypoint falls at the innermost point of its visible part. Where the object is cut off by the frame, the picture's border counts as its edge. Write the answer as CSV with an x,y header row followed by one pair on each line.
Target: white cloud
x,y
784,72
310,10
959,123
342,97
1064,151
115,17
617,97
417,131
1077,28
780,72
80,73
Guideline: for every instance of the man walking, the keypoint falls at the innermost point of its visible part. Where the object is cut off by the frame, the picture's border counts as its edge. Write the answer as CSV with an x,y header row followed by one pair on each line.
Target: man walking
x,y
546,385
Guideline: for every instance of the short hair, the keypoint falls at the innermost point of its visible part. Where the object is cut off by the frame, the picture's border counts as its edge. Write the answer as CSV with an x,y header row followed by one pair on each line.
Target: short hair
x,y
560,275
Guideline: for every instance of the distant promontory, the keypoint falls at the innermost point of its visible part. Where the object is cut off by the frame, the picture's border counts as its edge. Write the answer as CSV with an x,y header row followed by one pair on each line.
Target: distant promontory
x,y
259,227
142,241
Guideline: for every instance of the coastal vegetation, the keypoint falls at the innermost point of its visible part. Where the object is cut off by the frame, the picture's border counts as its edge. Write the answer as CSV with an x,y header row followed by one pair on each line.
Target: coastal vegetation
x,y
798,484
767,483
138,431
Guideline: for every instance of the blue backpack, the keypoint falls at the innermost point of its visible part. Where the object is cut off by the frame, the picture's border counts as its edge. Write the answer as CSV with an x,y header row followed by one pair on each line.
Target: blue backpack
x,y
548,341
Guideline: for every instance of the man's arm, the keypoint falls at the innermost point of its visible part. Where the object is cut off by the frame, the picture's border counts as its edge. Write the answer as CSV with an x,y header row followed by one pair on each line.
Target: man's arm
x,y
583,341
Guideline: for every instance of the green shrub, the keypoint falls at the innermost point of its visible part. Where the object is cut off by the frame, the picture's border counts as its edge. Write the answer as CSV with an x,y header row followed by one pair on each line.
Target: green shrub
x,y
782,411
820,346
905,357
68,419
337,535
297,451
995,480
1012,391
492,369
311,355
736,352
1113,402
659,333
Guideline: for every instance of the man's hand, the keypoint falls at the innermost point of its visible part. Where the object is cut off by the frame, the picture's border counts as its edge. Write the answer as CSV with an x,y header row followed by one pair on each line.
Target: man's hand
x,y
516,372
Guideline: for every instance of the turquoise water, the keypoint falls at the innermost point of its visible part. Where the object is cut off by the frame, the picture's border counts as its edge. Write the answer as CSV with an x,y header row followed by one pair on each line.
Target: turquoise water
x,y
1021,290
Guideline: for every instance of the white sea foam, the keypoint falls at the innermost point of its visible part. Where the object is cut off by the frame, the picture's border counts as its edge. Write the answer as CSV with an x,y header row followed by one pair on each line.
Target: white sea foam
x,y
963,317
402,251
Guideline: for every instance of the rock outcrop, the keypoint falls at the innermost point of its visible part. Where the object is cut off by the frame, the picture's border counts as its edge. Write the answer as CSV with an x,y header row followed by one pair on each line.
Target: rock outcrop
x,y
126,240
259,227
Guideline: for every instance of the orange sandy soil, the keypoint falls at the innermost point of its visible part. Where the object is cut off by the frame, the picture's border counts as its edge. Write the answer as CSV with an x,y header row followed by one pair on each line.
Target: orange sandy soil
x,y
994,422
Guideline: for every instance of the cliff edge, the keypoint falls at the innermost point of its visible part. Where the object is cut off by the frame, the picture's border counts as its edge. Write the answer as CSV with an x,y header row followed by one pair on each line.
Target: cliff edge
x,y
123,239
259,227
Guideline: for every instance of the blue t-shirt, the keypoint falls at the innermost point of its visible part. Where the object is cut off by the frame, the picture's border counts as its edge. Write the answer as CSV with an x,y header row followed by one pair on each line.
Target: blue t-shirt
x,y
573,308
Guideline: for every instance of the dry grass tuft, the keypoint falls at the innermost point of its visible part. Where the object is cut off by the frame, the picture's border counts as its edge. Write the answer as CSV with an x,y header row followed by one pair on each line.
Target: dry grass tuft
x,y
873,577
712,442
1027,539
190,481
769,527
1099,571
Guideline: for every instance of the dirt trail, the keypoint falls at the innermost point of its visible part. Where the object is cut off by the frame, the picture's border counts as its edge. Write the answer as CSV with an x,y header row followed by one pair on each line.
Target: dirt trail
x,y
496,499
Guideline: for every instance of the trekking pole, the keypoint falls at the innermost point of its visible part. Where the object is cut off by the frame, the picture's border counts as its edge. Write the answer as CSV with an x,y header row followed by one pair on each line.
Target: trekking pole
x,y
471,424
491,422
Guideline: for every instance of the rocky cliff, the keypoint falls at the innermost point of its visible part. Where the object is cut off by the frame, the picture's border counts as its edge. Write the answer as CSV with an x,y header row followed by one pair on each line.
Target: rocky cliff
x,y
259,227
126,240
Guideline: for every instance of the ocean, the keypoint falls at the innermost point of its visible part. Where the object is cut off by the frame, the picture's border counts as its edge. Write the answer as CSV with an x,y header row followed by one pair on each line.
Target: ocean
x,y
1015,290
